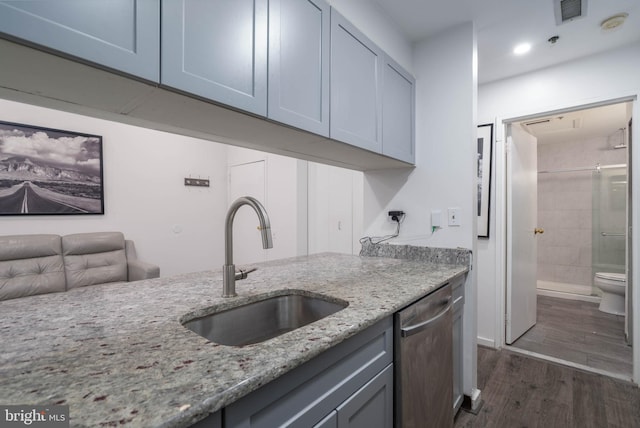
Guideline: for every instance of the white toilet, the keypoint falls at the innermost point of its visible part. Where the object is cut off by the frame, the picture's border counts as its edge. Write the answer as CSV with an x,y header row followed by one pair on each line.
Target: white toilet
x,y
613,287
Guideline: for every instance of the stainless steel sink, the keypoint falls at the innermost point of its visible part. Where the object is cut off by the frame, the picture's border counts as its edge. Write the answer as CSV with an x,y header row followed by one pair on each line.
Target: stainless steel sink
x,y
258,321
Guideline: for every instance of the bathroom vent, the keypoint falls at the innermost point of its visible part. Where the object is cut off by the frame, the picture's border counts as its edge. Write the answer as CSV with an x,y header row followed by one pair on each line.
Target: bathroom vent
x,y
568,10
552,125
538,122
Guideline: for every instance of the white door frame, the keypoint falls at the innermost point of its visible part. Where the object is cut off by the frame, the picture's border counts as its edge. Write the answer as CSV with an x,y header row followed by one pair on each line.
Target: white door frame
x,y
501,208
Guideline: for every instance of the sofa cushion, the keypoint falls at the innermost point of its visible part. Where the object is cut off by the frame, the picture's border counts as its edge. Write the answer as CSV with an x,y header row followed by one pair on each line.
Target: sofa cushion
x,y
29,265
94,258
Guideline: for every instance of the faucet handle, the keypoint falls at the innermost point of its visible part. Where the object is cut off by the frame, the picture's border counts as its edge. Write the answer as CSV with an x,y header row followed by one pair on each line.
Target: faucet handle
x,y
244,273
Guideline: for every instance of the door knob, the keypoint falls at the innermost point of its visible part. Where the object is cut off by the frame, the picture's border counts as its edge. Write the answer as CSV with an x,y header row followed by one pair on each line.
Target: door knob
x,y
538,230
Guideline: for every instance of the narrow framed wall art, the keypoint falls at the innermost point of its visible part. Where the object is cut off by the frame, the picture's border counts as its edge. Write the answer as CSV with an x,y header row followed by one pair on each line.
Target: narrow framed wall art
x,y
47,171
485,143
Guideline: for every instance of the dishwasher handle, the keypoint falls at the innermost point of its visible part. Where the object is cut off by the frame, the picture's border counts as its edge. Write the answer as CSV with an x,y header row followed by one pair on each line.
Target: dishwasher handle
x,y
413,329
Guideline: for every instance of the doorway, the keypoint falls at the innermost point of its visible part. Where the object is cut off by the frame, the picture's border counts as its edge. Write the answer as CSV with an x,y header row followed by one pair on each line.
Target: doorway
x,y
583,160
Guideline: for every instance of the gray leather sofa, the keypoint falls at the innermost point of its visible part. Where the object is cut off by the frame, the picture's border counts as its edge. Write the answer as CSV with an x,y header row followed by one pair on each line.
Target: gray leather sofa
x,y
38,264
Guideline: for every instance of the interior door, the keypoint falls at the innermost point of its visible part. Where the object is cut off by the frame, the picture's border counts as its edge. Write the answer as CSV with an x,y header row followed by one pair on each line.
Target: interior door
x,y
522,217
247,179
330,202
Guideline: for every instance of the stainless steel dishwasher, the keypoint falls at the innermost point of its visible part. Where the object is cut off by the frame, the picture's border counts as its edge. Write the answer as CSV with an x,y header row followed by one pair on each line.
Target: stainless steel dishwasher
x,y
424,362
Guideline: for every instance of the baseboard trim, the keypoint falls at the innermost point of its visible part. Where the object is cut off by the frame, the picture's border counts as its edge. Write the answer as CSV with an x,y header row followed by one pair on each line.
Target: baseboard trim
x,y
489,343
569,363
568,296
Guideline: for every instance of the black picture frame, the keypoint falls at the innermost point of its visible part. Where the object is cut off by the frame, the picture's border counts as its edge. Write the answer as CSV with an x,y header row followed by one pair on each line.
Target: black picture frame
x,y
485,153
46,171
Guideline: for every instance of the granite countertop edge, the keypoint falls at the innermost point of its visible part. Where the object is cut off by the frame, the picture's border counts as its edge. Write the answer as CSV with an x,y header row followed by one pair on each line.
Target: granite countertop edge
x,y
92,348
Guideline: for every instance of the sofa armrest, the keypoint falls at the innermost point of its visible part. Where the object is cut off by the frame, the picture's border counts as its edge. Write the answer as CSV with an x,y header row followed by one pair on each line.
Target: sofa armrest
x,y
142,270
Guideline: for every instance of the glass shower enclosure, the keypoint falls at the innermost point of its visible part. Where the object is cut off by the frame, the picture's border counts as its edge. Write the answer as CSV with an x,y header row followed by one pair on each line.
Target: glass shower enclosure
x,y
609,217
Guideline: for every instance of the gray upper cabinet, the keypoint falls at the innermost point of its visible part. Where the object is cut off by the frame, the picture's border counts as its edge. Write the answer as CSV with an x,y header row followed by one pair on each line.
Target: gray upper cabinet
x,y
299,38
120,34
356,86
217,50
398,112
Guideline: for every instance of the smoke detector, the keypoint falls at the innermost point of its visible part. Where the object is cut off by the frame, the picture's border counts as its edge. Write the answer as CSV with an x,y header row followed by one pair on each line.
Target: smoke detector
x,y
568,10
613,22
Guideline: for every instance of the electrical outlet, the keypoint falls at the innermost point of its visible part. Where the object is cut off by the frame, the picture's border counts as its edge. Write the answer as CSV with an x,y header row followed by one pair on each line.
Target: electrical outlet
x,y
454,216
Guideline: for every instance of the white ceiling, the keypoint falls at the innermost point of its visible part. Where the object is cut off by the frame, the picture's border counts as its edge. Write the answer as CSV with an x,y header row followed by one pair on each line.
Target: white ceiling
x,y
501,24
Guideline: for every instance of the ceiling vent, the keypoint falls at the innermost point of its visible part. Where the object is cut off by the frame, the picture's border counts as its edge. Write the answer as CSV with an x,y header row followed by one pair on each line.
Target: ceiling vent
x,y
552,125
568,10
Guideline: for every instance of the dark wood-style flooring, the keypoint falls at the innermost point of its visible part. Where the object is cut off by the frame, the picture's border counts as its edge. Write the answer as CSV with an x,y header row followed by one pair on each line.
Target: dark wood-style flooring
x,y
578,332
520,391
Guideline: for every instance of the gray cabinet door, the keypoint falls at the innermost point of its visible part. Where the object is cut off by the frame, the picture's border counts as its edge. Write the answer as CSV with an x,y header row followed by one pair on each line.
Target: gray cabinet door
x,y
299,37
371,406
120,34
398,113
331,421
356,86
217,50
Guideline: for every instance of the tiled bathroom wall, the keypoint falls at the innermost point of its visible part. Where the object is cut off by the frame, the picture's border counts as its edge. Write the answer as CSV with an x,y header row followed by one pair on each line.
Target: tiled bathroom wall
x,y
564,207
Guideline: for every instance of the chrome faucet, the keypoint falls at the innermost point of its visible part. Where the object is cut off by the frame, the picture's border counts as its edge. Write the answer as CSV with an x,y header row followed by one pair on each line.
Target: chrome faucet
x,y
229,275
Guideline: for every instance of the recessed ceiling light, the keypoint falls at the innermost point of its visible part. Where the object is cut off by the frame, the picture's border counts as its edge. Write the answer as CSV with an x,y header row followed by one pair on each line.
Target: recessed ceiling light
x,y
522,48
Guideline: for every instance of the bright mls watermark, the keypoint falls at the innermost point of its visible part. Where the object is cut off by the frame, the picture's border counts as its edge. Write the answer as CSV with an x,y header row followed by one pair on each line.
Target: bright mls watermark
x,y
34,416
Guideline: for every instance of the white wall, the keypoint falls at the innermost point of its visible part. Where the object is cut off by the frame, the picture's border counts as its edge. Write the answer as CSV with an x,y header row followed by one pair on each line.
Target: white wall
x,y
611,75
179,228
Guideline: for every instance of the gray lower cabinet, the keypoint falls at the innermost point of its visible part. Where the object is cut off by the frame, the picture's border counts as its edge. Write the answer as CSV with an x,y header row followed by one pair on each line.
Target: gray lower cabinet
x,y
119,34
217,50
458,306
331,421
349,385
371,406
398,112
356,87
299,43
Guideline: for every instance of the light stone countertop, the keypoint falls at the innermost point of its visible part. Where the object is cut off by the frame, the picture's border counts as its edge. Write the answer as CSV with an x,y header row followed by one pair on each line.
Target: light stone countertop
x,y
118,355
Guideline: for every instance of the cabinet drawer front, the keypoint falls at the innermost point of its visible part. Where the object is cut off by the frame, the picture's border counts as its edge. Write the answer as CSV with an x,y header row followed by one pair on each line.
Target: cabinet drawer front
x,y
217,50
119,34
304,396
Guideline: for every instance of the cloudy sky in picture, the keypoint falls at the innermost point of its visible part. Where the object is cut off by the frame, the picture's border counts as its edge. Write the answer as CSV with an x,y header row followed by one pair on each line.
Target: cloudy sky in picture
x,y
51,148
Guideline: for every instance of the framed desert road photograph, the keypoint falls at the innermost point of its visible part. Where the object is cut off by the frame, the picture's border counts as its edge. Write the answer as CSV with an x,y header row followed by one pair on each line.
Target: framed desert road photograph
x,y
47,171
